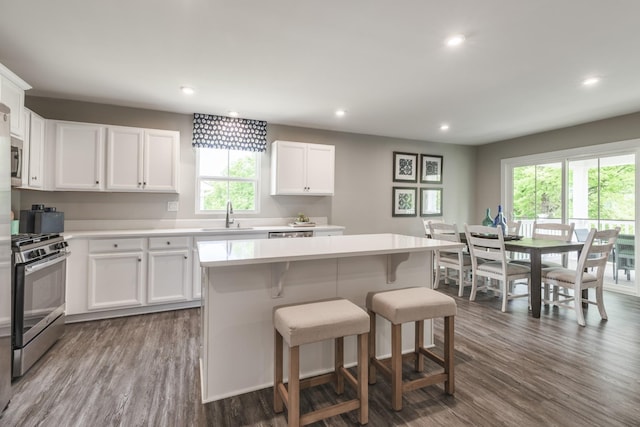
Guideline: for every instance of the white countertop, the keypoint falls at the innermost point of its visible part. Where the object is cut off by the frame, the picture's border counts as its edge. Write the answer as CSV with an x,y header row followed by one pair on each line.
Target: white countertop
x,y
258,251
194,231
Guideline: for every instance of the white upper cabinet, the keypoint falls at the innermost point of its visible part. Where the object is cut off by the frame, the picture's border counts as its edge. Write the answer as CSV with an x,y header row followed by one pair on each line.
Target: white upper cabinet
x,y
34,177
135,159
124,158
161,160
142,159
12,90
79,156
299,168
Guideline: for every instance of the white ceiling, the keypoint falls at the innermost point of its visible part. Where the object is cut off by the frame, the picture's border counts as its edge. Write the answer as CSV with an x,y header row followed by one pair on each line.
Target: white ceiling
x,y
296,61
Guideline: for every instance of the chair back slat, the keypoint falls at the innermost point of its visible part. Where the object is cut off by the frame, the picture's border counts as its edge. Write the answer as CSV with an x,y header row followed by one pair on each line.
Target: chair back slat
x,y
484,244
553,231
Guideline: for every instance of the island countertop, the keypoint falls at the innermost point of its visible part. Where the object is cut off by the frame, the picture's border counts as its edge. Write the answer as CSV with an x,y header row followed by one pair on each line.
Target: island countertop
x,y
260,251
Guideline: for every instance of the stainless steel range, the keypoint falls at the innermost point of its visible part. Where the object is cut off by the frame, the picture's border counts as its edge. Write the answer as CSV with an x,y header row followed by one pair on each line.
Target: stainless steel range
x,y
38,278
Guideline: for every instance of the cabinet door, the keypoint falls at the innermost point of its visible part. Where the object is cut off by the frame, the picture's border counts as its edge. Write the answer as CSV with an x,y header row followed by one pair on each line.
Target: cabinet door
x,y
13,97
124,158
161,160
115,280
320,169
288,168
79,156
168,276
36,149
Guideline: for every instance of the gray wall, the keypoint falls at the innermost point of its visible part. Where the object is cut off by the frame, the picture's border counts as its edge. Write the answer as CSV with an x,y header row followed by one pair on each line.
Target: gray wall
x,y
487,183
362,200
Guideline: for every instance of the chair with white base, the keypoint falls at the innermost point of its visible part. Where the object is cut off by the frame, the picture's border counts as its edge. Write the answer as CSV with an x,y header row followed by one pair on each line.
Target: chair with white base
x,y
594,256
489,260
456,259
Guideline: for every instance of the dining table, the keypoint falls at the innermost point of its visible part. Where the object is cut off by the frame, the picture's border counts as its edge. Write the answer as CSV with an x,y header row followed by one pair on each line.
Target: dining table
x,y
536,248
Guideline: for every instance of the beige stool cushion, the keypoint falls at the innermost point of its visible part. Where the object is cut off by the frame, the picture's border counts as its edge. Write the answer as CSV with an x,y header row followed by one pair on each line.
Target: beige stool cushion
x,y
411,304
318,321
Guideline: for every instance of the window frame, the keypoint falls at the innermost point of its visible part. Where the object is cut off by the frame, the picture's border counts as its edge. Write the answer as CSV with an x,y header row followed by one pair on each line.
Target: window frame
x,y
227,179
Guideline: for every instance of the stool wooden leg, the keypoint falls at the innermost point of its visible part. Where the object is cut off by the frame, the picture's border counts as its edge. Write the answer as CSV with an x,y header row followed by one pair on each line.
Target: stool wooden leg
x,y
419,343
372,347
396,366
449,384
363,389
294,387
277,373
338,364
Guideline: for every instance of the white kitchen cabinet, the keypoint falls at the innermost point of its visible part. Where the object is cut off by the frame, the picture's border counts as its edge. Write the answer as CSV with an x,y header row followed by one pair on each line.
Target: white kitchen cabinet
x,y
12,90
169,269
116,273
79,164
142,159
299,168
34,177
196,274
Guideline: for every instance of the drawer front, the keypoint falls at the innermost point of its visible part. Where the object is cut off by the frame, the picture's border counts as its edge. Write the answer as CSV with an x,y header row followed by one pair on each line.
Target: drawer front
x,y
116,245
169,242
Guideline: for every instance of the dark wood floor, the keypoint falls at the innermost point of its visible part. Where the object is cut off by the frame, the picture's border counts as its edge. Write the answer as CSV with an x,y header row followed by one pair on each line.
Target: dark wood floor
x,y
511,370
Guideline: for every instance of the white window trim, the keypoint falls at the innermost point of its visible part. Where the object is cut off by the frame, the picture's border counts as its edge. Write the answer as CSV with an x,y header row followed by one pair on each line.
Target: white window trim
x,y
198,180
608,149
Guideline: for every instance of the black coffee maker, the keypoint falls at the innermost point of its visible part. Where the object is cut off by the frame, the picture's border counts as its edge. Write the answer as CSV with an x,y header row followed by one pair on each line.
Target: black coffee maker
x,y
41,220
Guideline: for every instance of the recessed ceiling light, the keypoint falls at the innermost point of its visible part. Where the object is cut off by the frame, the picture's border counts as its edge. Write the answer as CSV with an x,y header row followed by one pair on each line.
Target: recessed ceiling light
x,y
590,81
340,113
456,40
234,113
187,90
444,127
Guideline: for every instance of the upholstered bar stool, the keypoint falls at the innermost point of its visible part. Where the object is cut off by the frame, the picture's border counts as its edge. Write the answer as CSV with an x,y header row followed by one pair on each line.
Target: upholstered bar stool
x,y
411,305
312,322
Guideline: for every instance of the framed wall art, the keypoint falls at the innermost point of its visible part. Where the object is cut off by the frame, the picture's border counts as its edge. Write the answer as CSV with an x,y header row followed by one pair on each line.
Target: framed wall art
x,y
404,201
405,167
431,169
431,202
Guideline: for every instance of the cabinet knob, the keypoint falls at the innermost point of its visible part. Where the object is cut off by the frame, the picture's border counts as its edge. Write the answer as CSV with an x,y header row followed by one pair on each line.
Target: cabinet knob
x,y
139,259
115,245
185,257
144,183
168,243
97,182
139,184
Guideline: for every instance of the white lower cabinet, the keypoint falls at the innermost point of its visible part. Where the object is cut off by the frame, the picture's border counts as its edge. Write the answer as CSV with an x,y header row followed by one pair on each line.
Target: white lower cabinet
x,y
169,269
115,273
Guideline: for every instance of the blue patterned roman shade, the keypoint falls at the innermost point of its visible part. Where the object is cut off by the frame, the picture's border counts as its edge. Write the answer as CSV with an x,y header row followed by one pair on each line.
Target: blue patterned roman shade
x,y
230,133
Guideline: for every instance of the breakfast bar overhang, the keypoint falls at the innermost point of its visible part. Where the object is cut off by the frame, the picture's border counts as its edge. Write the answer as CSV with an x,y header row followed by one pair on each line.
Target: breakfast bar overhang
x,y
242,280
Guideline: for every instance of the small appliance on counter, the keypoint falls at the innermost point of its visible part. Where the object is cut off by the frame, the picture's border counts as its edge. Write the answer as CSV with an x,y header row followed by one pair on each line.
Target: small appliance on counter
x,y
41,220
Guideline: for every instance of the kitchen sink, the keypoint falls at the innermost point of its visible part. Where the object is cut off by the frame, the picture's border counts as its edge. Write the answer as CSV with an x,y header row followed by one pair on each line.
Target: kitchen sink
x,y
227,229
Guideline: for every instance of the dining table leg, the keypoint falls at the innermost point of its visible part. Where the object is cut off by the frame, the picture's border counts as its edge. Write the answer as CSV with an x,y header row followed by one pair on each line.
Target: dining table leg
x,y
536,282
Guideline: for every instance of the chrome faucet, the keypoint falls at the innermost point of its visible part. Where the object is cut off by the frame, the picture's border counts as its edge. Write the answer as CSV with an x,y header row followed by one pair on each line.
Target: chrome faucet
x,y
228,221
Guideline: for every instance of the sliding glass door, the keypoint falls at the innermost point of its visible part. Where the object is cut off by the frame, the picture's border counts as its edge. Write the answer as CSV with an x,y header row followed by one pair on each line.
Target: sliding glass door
x,y
592,190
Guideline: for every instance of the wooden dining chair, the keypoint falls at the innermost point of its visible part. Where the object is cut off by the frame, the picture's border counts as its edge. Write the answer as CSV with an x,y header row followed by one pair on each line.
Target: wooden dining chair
x,y
594,256
489,260
449,261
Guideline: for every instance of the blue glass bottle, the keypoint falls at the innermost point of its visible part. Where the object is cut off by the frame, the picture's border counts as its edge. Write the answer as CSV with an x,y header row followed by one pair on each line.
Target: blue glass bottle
x,y
500,221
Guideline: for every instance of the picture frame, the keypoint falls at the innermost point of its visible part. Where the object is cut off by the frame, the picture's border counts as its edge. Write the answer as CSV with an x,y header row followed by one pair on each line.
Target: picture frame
x,y
430,202
404,200
405,167
431,169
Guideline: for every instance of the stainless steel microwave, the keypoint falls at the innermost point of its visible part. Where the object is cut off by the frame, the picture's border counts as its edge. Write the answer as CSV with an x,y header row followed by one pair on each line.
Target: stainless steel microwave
x,y
16,162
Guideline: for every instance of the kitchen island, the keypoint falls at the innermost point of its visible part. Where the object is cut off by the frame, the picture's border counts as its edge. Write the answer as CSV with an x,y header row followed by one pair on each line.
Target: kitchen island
x,y
242,280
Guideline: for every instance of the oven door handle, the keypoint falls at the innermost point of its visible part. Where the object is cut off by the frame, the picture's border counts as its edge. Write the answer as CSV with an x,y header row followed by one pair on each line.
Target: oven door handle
x,y
40,266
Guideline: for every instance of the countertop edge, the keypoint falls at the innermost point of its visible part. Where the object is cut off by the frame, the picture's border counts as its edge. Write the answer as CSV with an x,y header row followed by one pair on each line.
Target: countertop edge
x,y
193,231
